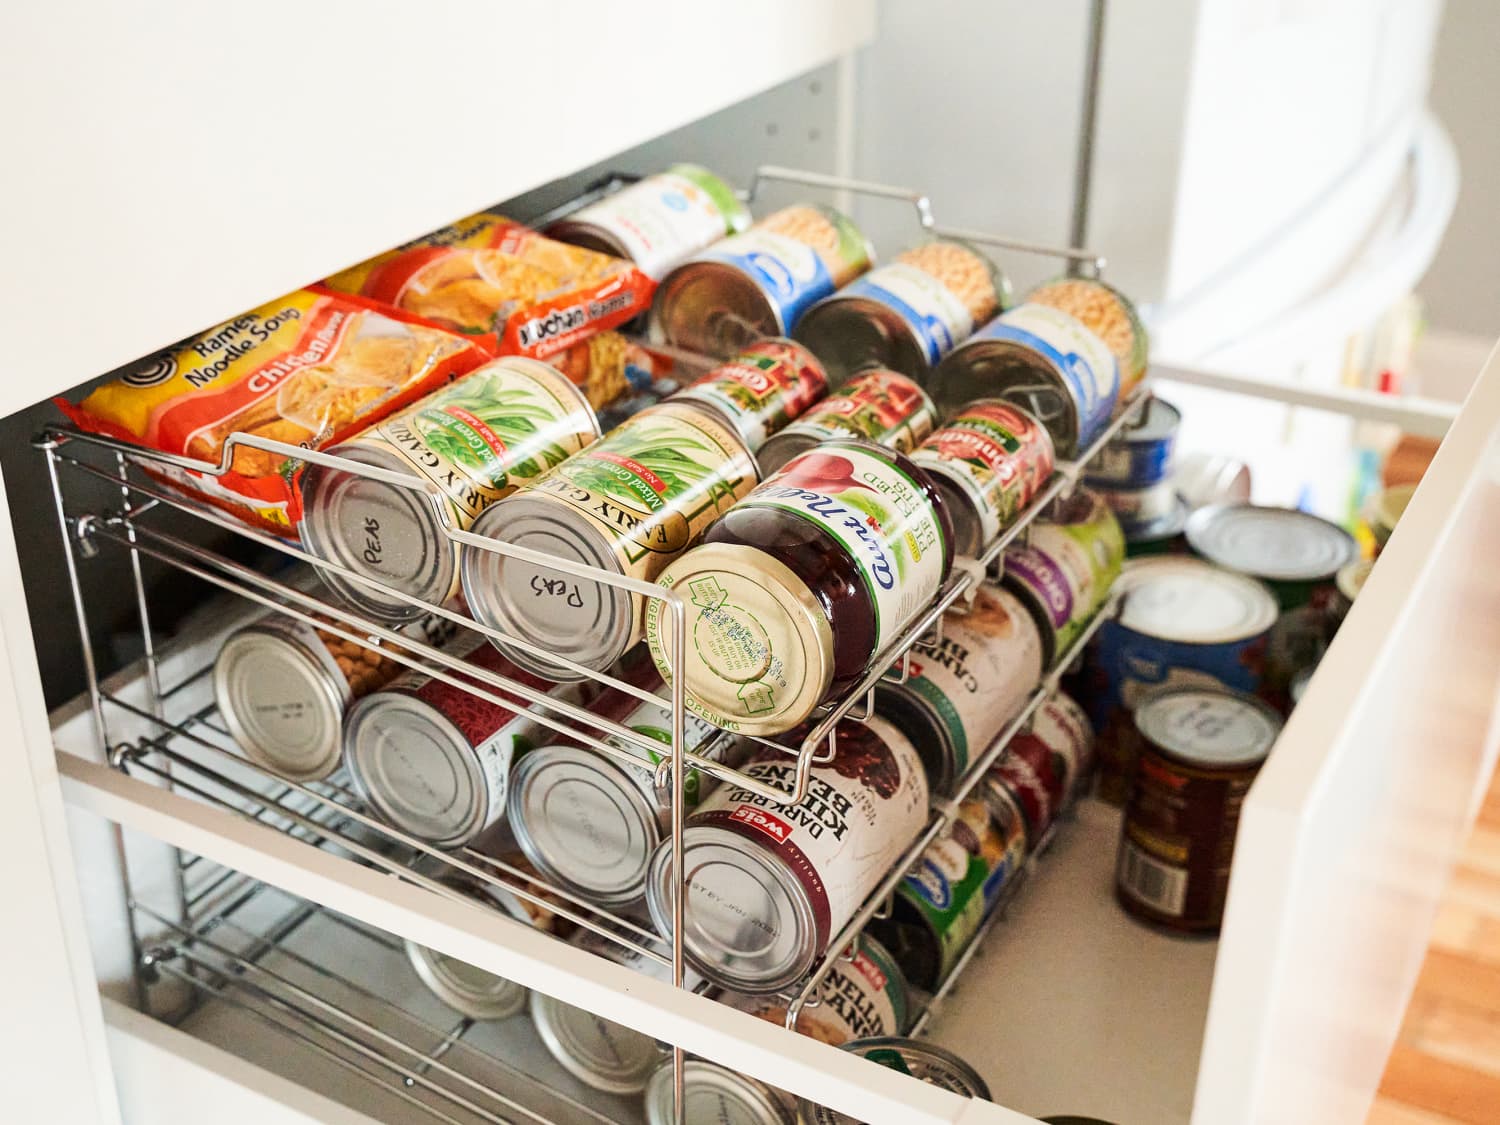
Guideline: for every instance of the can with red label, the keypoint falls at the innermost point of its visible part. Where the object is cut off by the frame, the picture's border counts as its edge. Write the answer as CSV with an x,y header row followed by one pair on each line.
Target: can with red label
x,y
988,461
1037,782
769,885
760,390
1060,729
876,405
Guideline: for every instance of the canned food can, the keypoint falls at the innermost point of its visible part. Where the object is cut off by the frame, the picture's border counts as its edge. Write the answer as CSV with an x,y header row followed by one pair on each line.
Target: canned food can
x,y
1295,553
908,314
589,822
467,989
1385,510
1139,456
628,504
1108,314
938,908
916,1058
433,759
1043,360
965,685
1063,575
657,221
1061,728
1160,536
795,590
1209,478
1139,507
1200,749
474,441
1348,583
1182,622
759,283
714,1093
761,389
989,461
864,994
1036,780
282,687
770,885
878,405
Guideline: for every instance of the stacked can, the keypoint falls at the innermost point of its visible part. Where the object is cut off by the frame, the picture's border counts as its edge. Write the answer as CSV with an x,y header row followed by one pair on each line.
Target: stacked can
x,y
876,405
1134,475
468,989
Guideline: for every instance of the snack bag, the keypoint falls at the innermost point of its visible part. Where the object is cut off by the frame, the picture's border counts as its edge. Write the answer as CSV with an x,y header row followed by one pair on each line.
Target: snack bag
x,y
515,291
308,369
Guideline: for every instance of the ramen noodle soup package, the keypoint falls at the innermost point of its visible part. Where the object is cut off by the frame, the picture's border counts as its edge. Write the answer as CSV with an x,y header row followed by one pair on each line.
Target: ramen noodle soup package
x,y
307,369
517,292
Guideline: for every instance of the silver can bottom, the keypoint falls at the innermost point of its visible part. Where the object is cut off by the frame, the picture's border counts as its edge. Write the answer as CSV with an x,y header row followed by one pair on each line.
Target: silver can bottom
x,y
713,309
466,988
852,333
984,368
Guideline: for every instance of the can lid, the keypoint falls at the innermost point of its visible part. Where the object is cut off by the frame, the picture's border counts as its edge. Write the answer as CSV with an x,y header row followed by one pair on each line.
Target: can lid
x,y
982,367
714,1093
281,703
1193,602
1281,544
415,767
1161,421
1163,527
850,331
415,556
760,649
582,620
712,308
599,1052
466,988
748,923
1351,579
917,1058
1209,727
583,823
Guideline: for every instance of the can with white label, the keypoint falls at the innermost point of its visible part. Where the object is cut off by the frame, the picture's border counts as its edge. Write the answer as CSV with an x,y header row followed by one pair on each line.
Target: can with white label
x,y
770,885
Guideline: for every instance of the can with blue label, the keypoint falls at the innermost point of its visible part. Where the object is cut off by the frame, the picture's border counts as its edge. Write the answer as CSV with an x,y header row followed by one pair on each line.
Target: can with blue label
x,y
758,283
1140,455
1183,623
908,314
1040,358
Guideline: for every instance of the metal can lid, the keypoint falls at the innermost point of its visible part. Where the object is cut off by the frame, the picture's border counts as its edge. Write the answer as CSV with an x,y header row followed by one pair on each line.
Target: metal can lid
x,y
582,620
917,1058
1281,544
1193,602
415,768
714,1093
583,823
466,988
748,614
1160,422
599,1052
281,703
981,367
848,331
1351,579
1208,726
749,925
415,556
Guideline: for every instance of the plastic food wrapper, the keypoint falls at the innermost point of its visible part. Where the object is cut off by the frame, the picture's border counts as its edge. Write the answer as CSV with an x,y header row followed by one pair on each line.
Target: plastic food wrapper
x,y
513,290
308,369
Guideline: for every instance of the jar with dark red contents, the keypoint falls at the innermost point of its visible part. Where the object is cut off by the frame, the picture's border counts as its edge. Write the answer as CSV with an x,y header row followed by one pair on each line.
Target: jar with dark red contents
x,y
794,591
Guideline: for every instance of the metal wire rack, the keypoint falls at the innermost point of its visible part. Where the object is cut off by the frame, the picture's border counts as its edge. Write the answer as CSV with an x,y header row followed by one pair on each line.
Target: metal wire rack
x,y
193,753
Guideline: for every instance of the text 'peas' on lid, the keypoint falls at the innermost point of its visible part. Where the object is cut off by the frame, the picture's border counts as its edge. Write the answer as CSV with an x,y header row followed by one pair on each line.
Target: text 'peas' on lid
x,y
1208,726
1279,544
1193,602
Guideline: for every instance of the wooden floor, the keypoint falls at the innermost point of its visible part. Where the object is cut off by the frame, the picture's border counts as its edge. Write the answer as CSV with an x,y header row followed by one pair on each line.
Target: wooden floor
x,y
1445,1068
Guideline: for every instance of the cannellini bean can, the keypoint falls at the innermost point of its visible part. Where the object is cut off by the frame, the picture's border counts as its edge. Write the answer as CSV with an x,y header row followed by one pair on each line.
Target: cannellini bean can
x,y
761,389
877,405
629,503
769,885
908,314
475,441
989,461
966,685
759,283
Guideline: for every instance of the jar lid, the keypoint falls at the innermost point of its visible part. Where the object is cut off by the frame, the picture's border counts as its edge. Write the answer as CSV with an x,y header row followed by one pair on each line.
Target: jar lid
x,y
1209,727
759,648
1193,602
1281,544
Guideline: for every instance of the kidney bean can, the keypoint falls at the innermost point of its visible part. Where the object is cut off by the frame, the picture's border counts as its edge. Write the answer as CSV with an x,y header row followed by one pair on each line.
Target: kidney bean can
x,y
1200,751
863,994
759,283
941,903
629,503
877,405
1064,574
434,759
474,441
989,460
1061,728
916,1058
658,221
769,885
964,686
761,389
